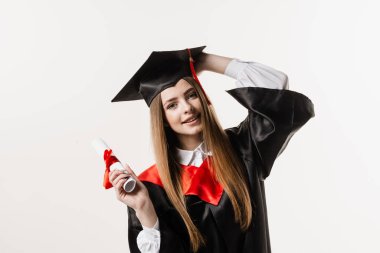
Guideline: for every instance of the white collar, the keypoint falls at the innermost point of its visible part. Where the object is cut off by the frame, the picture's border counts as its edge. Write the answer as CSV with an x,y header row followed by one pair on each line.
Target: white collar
x,y
193,157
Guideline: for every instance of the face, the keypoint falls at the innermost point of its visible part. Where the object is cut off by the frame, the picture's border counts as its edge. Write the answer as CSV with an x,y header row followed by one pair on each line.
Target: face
x,y
182,108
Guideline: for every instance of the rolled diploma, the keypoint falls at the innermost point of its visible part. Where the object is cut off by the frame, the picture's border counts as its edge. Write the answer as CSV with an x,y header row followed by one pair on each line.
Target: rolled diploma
x,y
100,147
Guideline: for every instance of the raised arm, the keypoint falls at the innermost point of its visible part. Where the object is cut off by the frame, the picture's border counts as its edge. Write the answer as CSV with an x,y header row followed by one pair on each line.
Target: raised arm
x,y
246,73
212,62
274,112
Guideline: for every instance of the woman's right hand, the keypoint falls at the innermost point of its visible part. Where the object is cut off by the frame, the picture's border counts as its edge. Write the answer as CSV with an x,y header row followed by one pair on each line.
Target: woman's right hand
x,y
138,199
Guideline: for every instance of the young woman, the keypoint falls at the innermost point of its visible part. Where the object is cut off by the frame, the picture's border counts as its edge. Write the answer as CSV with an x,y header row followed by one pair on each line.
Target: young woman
x,y
206,191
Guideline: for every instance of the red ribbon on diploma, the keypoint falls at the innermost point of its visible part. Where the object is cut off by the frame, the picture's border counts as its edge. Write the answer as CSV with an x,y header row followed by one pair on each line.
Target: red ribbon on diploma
x,y
109,159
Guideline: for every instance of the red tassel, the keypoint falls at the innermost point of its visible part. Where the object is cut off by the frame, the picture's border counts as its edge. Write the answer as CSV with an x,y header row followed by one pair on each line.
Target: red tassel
x,y
191,60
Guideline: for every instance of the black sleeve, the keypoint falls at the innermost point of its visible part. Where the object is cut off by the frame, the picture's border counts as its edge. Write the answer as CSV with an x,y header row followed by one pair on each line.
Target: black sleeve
x,y
273,118
174,236
134,228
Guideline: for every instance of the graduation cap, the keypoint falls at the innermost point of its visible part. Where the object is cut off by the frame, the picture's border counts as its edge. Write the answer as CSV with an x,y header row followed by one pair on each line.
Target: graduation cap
x,y
163,69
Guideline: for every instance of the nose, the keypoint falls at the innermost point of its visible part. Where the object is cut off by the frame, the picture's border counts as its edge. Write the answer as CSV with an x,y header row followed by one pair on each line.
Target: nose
x,y
187,107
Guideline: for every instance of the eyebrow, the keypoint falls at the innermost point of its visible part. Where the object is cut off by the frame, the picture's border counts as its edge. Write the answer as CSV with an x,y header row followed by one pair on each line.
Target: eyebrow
x,y
185,93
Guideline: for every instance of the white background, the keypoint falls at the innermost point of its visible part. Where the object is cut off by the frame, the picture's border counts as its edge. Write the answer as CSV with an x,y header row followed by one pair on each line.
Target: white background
x,y
61,62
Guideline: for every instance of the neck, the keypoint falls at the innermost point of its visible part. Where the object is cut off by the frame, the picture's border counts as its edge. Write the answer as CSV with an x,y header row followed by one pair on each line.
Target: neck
x,y
187,142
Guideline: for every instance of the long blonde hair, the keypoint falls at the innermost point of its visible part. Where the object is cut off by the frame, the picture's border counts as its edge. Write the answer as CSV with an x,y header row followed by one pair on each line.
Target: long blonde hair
x,y
224,164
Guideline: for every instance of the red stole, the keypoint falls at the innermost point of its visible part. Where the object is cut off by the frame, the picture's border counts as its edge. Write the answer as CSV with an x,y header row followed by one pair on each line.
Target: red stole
x,y
197,181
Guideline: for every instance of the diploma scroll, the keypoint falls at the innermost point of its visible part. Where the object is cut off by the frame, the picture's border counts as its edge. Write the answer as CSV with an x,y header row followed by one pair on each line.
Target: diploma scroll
x,y
112,163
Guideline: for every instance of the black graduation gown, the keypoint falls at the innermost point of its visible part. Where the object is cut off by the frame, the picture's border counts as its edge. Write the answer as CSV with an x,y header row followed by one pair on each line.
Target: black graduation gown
x,y
273,117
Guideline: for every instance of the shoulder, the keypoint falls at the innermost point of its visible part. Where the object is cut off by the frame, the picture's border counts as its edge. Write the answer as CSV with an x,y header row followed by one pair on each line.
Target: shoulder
x,y
151,175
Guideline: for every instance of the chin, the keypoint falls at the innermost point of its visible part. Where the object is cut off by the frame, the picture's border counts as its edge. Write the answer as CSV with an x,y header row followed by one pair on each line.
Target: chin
x,y
195,130
192,132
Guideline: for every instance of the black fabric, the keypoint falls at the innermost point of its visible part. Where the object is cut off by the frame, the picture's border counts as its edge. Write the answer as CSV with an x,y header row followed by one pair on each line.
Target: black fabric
x,y
273,117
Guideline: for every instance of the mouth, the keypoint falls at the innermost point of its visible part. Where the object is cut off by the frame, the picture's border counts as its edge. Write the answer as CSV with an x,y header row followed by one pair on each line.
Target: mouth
x,y
191,120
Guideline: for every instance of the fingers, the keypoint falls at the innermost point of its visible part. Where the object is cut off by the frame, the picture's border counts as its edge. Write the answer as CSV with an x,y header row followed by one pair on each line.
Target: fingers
x,y
116,175
119,177
113,174
127,168
132,173
120,183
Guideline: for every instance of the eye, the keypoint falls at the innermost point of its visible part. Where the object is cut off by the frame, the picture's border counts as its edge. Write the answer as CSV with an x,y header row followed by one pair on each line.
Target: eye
x,y
193,95
171,106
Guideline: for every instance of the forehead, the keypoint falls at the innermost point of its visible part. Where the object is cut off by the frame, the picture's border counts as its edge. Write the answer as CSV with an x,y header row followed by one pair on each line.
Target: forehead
x,y
175,91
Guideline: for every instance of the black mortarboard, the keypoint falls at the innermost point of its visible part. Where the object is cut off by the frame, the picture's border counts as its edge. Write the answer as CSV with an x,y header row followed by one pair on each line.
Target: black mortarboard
x,y
161,70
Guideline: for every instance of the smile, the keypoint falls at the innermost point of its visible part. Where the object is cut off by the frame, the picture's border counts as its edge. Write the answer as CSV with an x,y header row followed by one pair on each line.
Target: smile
x,y
191,120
